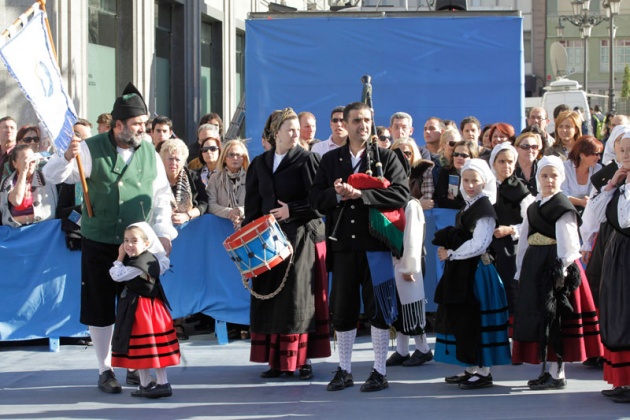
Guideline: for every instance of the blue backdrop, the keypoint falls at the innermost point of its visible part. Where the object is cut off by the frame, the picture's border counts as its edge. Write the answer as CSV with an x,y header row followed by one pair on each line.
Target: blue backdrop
x,y
449,67
41,279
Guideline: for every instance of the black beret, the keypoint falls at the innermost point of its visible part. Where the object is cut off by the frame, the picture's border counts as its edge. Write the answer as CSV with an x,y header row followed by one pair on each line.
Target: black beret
x,y
130,104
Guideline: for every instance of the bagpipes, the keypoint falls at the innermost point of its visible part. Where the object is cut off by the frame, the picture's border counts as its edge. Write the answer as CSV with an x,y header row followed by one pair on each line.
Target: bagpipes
x,y
387,225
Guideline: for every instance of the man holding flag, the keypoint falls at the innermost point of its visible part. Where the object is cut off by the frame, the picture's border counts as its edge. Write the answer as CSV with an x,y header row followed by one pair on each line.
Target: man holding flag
x,y
126,184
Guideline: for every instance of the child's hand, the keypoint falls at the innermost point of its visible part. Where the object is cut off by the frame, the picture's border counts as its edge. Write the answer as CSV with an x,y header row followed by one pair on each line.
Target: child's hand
x,y
121,252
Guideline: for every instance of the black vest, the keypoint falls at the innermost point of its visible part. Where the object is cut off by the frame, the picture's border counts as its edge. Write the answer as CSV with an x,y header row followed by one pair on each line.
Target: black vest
x,y
467,219
147,284
509,196
542,219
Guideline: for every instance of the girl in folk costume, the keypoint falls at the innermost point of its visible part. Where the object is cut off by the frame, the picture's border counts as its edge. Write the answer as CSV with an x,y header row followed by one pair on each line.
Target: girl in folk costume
x,y
408,274
144,336
613,206
554,318
472,317
513,198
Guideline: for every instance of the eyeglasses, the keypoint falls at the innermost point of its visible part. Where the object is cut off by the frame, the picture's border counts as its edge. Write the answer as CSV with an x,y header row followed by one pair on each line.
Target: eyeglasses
x,y
452,143
408,153
30,139
336,120
537,118
385,138
235,155
529,146
462,155
209,149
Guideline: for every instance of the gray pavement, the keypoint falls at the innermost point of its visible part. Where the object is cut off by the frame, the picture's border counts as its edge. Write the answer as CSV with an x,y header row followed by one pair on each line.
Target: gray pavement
x,y
215,381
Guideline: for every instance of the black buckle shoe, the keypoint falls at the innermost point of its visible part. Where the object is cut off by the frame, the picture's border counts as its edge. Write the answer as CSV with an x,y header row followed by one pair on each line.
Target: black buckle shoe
x,y
306,372
541,378
480,382
342,380
615,392
107,382
418,358
623,398
396,359
133,377
547,382
375,382
457,379
153,391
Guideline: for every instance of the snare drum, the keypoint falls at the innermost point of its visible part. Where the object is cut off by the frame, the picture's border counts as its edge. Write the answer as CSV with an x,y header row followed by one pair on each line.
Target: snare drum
x,y
258,246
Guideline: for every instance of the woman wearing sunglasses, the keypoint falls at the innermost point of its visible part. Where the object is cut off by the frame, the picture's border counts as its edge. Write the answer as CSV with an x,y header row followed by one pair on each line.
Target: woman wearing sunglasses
x,y
579,168
447,189
384,137
29,135
209,154
226,188
528,146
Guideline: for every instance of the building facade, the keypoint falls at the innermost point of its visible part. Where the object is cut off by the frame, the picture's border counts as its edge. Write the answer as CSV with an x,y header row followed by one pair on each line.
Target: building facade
x,y
187,56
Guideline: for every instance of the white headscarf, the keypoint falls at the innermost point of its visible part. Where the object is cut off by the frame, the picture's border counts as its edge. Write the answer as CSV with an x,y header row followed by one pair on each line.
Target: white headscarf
x,y
609,150
506,145
554,161
155,246
490,183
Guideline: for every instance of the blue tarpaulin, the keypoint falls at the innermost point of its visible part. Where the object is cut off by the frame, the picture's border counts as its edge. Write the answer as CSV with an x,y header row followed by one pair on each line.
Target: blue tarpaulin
x,y
449,67
41,279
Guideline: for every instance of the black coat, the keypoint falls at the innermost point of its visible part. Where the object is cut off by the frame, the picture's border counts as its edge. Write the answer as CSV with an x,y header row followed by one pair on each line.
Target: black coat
x,y
292,310
353,232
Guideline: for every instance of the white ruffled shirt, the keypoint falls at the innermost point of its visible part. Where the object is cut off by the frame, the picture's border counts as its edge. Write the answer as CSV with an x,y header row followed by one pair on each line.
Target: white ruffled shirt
x,y
595,214
120,272
482,236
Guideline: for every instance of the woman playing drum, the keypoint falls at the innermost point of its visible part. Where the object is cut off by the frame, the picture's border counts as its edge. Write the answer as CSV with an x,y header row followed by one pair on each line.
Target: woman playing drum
x,y
292,326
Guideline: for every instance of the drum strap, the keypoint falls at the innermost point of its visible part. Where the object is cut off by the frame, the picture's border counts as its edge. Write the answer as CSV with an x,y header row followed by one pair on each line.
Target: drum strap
x,y
274,293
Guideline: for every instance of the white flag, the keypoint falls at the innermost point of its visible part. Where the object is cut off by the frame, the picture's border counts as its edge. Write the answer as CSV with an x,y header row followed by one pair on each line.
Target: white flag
x,y
30,60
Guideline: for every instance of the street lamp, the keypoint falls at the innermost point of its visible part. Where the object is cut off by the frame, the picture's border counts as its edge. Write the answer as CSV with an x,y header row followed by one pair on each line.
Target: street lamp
x,y
612,8
584,21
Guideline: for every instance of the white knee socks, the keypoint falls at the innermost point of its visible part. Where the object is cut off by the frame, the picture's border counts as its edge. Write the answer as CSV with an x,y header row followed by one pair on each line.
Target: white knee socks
x,y
102,340
554,372
345,341
145,377
402,344
379,343
421,343
160,373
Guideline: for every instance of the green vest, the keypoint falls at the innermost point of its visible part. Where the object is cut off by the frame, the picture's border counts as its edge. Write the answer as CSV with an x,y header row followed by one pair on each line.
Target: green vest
x,y
120,194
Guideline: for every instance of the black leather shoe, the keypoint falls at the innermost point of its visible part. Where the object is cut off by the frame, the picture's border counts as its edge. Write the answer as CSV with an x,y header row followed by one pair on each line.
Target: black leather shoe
x,y
306,372
541,378
396,359
480,382
133,377
596,362
624,398
271,373
615,392
418,358
342,380
547,382
457,379
107,382
153,391
375,382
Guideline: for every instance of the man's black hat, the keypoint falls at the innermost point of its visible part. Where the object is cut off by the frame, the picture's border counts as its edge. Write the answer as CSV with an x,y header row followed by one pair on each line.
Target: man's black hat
x,y
130,104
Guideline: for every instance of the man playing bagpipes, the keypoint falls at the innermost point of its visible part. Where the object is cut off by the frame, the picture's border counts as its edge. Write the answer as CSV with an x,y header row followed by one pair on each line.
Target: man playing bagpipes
x,y
360,262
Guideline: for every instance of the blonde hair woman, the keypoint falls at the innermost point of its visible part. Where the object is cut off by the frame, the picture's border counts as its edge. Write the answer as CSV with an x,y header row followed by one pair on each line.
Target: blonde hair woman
x,y
226,187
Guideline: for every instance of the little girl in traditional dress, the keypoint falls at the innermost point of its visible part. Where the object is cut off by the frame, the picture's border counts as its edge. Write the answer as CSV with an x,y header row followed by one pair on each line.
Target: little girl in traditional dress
x,y
144,336
471,324
554,317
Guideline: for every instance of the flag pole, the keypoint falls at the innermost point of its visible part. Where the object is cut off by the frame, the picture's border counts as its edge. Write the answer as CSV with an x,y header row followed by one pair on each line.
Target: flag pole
x,y
86,196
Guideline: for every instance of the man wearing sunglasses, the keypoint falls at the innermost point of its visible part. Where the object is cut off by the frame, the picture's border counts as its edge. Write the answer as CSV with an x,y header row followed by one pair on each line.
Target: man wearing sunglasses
x,y
338,136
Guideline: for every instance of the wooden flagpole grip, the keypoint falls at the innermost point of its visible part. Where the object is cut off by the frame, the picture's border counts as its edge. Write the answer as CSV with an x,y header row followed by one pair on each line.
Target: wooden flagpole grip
x,y
86,195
